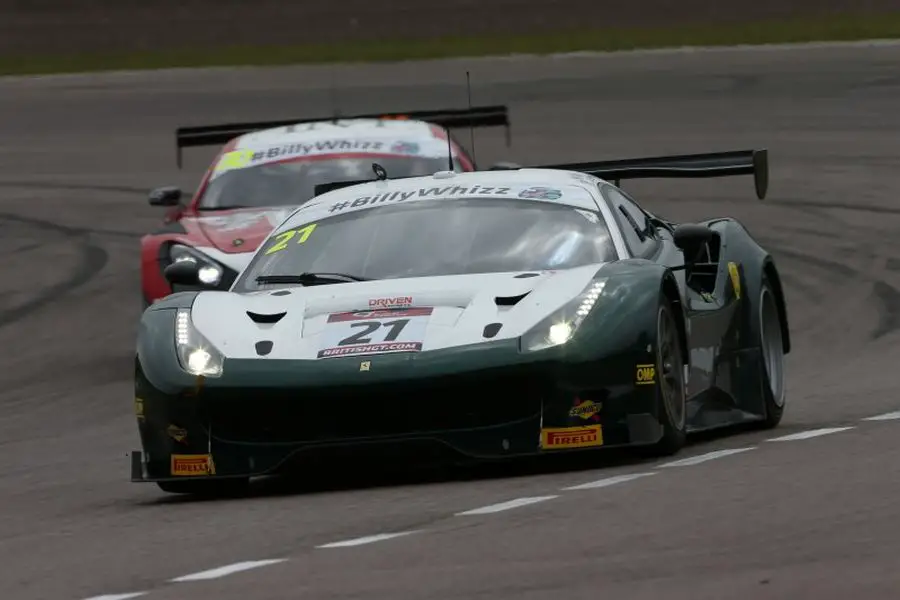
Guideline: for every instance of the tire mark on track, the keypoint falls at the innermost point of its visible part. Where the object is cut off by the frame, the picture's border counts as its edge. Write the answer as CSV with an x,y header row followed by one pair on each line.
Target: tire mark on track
x,y
886,296
68,229
93,259
89,187
842,206
92,187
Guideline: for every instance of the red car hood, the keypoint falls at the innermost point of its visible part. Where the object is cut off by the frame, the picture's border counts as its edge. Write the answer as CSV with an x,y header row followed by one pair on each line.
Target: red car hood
x,y
240,230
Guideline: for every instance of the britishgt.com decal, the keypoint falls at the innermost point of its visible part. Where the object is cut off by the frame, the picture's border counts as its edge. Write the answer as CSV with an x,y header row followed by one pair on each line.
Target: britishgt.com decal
x,y
374,332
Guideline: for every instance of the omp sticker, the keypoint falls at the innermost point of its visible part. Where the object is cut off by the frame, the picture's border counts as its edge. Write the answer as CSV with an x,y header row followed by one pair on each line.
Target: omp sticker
x,y
280,241
397,302
192,464
571,437
541,193
735,279
374,332
586,410
645,374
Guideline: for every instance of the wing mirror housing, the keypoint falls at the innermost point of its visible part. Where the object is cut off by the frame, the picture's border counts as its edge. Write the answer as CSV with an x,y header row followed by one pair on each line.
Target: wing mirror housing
x,y
165,196
183,272
691,238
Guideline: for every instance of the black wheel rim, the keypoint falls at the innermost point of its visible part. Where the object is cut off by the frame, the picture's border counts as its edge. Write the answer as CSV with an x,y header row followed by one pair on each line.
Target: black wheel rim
x,y
671,369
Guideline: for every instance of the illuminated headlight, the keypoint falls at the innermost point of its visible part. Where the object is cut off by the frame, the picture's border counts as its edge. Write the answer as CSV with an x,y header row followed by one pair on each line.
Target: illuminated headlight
x,y
210,272
558,328
195,354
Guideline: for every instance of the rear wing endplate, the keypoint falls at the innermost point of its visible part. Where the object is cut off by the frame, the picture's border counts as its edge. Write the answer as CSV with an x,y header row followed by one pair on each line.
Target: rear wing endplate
x,y
476,116
714,164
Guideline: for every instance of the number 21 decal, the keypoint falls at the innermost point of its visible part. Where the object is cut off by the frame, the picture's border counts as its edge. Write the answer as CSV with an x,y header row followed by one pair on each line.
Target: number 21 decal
x,y
370,327
284,237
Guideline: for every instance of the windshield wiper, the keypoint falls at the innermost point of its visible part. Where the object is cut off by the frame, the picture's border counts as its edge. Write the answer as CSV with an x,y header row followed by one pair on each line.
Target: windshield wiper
x,y
310,278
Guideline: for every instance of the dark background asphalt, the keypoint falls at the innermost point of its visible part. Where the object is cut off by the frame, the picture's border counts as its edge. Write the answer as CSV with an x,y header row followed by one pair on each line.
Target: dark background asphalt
x,y
61,26
815,518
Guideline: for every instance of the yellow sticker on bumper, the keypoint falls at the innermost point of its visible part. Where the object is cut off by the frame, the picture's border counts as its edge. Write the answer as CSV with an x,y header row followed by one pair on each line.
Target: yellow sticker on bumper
x,y
571,437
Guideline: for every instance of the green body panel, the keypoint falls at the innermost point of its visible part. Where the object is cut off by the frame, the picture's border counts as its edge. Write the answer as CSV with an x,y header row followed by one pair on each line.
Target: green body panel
x,y
622,322
527,391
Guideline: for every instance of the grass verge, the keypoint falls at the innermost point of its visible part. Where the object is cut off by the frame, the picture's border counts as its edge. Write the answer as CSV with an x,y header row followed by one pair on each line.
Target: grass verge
x,y
837,28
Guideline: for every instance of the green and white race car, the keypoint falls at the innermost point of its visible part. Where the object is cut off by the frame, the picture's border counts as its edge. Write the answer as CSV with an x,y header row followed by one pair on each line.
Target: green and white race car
x,y
480,315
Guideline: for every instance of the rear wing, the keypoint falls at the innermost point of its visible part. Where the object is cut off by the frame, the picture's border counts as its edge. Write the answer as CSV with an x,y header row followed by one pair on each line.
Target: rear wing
x,y
476,116
714,164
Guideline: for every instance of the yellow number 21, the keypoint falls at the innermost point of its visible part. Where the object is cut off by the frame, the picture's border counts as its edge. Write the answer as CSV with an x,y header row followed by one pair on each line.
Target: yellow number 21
x,y
284,237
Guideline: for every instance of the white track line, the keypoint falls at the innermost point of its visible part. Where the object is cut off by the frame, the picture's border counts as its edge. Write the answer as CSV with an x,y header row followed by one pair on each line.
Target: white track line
x,y
117,596
885,417
227,570
805,435
601,483
495,508
369,539
702,458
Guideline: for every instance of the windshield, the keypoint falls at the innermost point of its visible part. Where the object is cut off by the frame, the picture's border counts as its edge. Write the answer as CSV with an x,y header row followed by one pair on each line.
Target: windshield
x,y
294,182
426,238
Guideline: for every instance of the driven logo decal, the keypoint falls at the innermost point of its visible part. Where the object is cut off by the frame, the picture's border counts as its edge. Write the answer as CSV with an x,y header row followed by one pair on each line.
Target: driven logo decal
x,y
398,302
571,437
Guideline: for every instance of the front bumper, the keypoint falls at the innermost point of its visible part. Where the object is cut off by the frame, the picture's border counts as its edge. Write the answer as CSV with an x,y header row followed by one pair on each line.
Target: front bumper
x,y
492,413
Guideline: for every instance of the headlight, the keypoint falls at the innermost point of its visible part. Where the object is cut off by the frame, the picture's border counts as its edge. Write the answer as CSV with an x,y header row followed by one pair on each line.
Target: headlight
x,y
195,354
210,271
558,328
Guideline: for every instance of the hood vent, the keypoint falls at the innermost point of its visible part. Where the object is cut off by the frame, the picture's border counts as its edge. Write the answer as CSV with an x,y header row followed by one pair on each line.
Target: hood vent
x,y
509,300
267,319
492,329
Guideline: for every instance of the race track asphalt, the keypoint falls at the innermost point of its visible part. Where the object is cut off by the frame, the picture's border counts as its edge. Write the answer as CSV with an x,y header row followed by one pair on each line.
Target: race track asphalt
x,y
812,516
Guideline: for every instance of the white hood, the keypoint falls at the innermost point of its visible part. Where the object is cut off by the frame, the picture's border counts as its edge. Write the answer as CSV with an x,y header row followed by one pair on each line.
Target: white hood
x,y
461,307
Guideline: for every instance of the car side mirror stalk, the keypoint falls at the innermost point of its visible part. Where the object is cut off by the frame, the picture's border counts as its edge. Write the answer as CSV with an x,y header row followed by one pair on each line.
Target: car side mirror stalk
x,y
165,196
690,238
183,272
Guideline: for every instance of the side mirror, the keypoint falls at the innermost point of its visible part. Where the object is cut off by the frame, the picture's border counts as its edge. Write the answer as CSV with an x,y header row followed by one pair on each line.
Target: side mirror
x,y
691,238
504,166
165,196
183,272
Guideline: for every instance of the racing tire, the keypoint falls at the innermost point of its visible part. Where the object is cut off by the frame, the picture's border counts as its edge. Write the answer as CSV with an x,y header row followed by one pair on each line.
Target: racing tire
x,y
771,343
670,388
208,488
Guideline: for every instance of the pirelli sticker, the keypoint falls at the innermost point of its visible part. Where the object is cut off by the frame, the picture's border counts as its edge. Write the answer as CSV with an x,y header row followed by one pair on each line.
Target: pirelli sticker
x,y
571,437
192,465
645,375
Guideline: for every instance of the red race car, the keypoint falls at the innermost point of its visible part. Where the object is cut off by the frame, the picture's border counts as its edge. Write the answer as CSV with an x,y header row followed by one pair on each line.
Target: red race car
x,y
266,170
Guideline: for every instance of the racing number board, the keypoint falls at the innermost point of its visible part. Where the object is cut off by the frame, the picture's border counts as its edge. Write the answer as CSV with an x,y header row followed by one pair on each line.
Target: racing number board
x,y
374,332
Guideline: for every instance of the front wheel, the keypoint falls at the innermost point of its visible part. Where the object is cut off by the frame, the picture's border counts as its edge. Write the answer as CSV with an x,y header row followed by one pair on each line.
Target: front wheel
x,y
670,392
